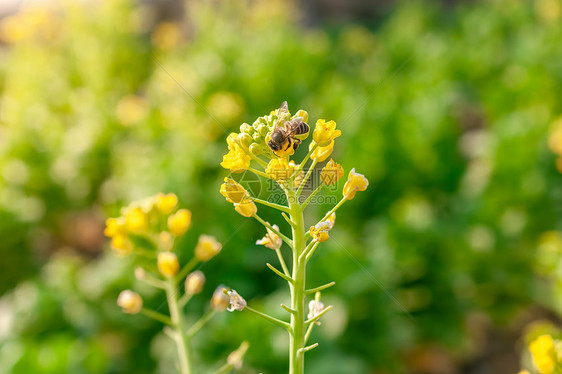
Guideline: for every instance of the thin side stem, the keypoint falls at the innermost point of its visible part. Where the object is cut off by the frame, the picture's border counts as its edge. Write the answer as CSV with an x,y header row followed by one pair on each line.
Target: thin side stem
x,y
309,198
186,269
305,179
270,204
269,226
336,207
282,261
156,316
304,160
257,172
202,322
269,318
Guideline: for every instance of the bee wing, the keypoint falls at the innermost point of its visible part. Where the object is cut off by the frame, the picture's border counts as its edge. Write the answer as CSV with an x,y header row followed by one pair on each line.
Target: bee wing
x,y
293,125
282,114
283,108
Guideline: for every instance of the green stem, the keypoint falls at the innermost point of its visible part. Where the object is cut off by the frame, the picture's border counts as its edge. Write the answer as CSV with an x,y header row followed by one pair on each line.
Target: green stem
x,y
270,204
304,160
298,292
178,324
156,316
257,172
268,225
305,179
186,269
271,319
309,198
202,321
343,200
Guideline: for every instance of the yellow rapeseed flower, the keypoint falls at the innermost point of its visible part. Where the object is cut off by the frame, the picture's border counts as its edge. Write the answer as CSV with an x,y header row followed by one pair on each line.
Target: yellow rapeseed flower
x,y
179,222
236,160
544,354
168,264
122,245
247,209
207,248
130,302
136,220
321,153
114,226
331,173
319,232
165,204
233,191
325,132
279,169
303,114
355,182
271,240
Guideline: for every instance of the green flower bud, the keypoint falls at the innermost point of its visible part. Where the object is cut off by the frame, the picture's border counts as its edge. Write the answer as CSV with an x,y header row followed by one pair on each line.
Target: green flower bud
x,y
256,149
246,128
245,139
263,130
257,137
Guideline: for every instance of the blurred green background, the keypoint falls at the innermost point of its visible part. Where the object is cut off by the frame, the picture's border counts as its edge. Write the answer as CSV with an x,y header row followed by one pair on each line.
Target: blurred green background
x,y
445,107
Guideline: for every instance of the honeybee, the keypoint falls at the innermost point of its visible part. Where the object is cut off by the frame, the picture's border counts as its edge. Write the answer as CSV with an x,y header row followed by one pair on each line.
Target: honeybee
x,y
287,133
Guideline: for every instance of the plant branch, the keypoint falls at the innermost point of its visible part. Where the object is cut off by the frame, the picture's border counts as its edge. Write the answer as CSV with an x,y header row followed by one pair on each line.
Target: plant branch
x,y
285,277
271,319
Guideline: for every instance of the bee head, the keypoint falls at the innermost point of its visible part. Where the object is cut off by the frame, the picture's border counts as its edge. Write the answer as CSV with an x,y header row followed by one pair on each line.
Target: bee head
x,y
277,137
273,145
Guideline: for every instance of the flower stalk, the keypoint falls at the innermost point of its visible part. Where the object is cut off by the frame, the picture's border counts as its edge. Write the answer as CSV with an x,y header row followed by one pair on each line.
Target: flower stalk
x,y
271,136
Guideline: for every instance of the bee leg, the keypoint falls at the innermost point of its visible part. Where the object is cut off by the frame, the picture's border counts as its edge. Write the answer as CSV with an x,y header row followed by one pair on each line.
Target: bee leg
x,y
295,145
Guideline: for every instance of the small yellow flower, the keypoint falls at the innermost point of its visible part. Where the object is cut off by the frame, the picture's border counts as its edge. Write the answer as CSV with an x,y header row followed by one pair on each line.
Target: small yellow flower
x,y
331,173
236,160
325,132
194,282
179,222
320,231
114,226
233,191
321,153
303,114
122,245
135,220
207,248
355,182
168,264
247,209
130,302
279,169
165,241
271,240
544,354
220,300
165,204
